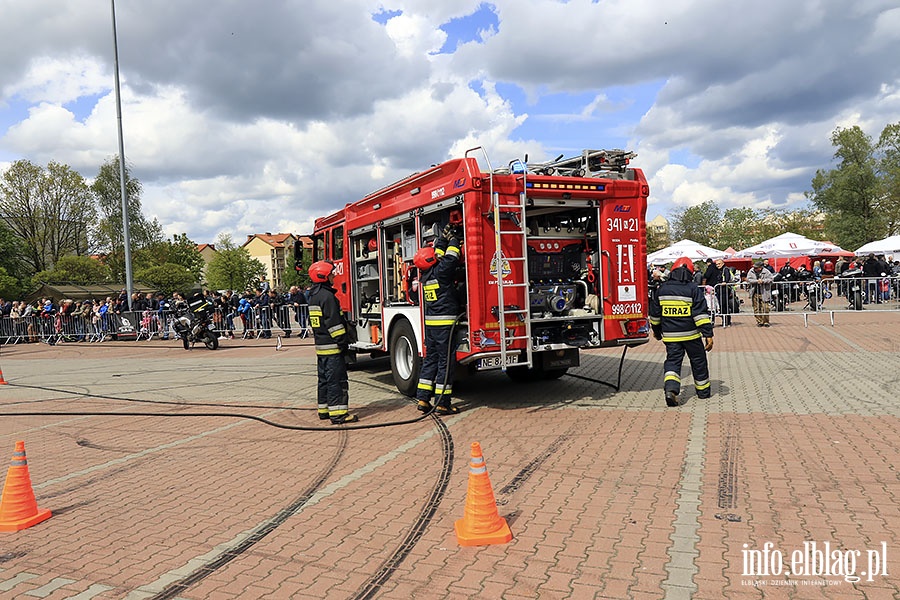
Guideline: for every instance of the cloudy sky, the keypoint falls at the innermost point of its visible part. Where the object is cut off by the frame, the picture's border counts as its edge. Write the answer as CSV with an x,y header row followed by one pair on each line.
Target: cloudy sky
x,y
245,117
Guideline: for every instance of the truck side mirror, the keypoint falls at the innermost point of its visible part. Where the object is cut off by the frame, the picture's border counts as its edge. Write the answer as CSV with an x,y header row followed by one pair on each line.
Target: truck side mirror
x,y
298,255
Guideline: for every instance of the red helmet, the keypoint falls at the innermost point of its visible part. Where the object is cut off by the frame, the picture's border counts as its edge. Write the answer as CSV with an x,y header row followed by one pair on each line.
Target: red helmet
x,y
319,271
425,258
685,262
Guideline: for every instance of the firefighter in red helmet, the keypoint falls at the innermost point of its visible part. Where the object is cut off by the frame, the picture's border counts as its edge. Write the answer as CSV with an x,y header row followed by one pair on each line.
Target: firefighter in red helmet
x,y
331,335
679,316
437,272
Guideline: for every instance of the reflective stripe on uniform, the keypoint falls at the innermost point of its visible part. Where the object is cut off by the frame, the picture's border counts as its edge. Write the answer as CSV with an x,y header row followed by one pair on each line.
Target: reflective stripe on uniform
x,y
675,306
672,376
439,321
702,385
337,330
680,336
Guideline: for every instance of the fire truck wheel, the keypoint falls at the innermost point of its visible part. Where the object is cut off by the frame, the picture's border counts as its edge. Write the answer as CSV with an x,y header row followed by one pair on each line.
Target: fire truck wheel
x,y
554,373
405,360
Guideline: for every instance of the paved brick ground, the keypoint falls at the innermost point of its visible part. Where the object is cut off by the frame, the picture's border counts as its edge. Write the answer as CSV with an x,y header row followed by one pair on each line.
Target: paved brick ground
x,y
608,494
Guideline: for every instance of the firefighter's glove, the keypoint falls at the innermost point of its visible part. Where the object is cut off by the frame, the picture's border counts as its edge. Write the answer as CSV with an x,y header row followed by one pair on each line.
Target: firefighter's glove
x,y
709,344
657,334
448,232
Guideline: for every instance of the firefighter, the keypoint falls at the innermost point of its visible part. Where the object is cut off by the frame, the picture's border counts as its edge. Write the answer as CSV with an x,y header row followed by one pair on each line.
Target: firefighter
x,y
330,332
437,270
679,316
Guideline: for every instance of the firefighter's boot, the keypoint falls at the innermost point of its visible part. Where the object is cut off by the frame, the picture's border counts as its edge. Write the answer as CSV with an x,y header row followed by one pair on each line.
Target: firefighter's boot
x,y
674,399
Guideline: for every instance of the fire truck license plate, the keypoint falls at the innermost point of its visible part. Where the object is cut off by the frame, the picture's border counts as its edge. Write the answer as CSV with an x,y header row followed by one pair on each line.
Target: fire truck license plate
x,y
496,361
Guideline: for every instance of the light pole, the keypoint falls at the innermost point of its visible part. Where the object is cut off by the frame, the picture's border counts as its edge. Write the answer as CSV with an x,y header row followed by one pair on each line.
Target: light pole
x,y
129,281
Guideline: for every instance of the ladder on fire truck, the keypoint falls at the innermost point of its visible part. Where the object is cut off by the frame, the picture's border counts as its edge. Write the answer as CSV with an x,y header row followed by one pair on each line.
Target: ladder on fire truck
x,y
515,214
588,163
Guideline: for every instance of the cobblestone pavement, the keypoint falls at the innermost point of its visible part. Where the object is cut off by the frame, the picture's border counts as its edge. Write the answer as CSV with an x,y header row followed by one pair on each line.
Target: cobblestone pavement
x,y
207,475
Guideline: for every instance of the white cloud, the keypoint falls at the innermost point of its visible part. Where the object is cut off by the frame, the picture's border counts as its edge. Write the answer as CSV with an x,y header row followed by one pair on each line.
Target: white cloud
x,y
264,119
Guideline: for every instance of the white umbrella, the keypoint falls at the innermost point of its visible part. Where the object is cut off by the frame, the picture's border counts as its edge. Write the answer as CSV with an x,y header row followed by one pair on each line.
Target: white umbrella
x,y
786,245
692,250
889,245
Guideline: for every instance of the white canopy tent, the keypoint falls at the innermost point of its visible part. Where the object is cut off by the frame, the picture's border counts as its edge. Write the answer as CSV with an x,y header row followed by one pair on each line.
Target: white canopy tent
x,y
889,245
692,250
788,245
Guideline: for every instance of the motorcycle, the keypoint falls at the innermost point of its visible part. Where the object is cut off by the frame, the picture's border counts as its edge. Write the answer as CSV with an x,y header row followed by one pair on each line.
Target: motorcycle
x,y
193,323
778,293
854,288
812,295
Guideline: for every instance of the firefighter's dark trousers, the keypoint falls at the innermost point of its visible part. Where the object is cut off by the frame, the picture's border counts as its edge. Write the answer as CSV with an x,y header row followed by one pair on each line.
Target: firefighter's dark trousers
x,y
675,352
436,378
333,391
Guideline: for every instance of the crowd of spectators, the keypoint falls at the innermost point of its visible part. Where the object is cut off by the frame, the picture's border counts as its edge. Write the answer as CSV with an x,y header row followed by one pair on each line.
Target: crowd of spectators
x,y
97,320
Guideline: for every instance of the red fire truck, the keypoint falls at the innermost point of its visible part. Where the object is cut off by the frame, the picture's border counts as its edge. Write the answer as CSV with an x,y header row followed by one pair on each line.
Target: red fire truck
x,y
553,255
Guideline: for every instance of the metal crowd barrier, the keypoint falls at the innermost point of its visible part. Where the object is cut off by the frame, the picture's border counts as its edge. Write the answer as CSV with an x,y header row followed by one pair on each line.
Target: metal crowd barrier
x,y
804,298
261,322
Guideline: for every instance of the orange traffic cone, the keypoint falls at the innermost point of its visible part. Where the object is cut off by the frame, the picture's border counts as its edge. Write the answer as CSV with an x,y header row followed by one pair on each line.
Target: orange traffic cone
x,y
18,508
2,381
481,524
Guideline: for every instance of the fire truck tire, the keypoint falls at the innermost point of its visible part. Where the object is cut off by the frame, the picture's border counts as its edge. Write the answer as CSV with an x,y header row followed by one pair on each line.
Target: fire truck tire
x,y
405,360
554,373
523,374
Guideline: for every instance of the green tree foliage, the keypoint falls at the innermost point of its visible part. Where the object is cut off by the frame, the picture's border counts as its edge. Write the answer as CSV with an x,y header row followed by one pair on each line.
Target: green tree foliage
x,y
10,253
10,287
232,268
697,223
656,240
849,194
48,210
179,250
108,235
737,229
167,278
889,172
80,270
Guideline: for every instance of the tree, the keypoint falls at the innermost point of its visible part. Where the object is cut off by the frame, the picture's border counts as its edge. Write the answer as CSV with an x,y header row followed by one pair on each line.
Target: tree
x,y
108,235
10,287
10,252
656,240
889,173
737,228
168,278
849,194
697,223
48,210
179,250
80,270
232,268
